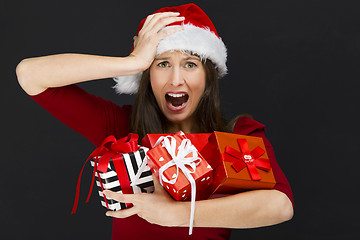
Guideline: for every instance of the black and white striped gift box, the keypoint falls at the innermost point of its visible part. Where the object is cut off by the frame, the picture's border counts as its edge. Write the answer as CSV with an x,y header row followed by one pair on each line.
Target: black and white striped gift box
x,y
110,180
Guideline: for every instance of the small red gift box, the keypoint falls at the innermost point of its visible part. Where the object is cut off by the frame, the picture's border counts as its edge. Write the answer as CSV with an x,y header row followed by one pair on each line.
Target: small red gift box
x,y
240,163
180,168
166,155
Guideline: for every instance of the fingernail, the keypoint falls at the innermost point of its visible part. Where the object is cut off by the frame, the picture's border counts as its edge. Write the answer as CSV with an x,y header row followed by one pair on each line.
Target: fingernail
x,y
107,214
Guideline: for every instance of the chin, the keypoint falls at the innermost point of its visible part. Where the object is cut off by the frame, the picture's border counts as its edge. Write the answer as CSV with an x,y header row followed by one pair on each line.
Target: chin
x,y
177,118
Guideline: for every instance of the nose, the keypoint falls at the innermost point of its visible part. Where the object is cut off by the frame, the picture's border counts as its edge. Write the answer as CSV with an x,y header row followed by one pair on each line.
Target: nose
x,y
176,78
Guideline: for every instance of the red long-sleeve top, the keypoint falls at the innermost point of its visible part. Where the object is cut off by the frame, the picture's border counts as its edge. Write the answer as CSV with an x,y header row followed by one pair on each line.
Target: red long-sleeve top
x,y
96,118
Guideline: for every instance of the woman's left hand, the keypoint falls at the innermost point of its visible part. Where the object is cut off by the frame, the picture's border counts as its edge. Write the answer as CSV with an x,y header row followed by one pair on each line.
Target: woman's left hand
x,y
157,208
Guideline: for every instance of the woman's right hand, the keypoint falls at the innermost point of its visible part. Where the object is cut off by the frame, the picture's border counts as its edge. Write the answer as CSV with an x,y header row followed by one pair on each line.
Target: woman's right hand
x,y
149,37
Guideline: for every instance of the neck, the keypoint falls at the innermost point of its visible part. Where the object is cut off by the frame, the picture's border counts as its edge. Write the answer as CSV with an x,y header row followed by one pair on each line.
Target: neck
x,y
185,126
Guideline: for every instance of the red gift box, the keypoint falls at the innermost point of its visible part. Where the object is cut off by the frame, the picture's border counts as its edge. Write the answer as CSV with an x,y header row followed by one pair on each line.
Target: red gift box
x,y
200,170
199,140
240,163
180,168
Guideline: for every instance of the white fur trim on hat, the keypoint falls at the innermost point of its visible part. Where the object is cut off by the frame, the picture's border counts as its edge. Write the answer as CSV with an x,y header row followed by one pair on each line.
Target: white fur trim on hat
x,y
200,41
127,84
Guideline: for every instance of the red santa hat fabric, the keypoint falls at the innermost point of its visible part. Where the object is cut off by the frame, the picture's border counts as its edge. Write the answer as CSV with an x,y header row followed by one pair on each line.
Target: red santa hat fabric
x,y
198,37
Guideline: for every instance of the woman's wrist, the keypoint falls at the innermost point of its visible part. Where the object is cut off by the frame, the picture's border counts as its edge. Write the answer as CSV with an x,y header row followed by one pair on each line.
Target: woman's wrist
x,y
125,66
182,213
137,63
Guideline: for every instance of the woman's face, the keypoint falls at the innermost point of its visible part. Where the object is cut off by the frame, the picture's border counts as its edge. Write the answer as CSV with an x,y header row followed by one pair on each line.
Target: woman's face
x,y
178,82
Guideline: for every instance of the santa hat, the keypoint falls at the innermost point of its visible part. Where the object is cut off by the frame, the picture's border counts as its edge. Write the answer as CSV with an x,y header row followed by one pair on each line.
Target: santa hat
x,y
198,37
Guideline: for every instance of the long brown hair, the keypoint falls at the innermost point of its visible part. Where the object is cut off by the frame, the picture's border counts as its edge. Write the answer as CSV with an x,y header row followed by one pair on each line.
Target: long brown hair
x,y
148,118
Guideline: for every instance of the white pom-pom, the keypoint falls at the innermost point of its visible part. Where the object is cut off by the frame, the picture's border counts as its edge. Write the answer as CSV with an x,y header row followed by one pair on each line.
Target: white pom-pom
x,y
127,84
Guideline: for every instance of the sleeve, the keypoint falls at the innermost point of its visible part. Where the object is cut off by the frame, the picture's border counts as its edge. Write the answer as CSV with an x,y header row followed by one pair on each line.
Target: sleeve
x,y
91,116
248,126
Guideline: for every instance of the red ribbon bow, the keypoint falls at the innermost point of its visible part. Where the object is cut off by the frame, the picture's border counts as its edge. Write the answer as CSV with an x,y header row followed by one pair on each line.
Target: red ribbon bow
x,y
114,151
248,159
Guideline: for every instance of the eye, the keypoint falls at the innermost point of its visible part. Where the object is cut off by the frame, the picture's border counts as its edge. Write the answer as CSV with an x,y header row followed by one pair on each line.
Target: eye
x,y
190,65
163,64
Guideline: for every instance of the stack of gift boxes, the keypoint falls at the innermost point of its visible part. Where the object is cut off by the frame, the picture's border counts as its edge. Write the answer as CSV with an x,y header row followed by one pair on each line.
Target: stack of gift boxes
x,y
189,166
235,163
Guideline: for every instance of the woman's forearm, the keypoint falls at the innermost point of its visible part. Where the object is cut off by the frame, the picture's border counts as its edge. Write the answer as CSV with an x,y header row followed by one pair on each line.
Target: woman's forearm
x,y
244,210
250,209
37,74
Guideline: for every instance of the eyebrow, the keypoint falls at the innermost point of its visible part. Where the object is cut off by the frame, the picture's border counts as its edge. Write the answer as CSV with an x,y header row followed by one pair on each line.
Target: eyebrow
x,y
193,57
187,58
163,58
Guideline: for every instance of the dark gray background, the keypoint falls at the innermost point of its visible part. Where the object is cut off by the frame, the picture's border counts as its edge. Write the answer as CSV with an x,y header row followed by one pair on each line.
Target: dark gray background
x,y
293,65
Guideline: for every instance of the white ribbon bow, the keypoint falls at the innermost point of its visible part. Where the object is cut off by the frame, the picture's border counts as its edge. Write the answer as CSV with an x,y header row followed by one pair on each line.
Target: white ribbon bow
x,y
183,162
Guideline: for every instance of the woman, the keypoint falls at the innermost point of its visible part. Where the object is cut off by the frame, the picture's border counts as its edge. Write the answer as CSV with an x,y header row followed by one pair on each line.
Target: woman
x,y
178,56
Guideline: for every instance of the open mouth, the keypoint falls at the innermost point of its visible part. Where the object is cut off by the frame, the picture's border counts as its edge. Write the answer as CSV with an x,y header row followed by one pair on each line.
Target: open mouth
x,y
176,100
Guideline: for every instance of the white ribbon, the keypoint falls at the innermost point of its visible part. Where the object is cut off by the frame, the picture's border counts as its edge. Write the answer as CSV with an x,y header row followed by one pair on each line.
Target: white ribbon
x,y
139,172
183,162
